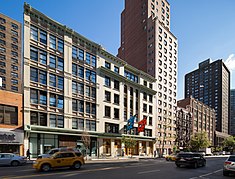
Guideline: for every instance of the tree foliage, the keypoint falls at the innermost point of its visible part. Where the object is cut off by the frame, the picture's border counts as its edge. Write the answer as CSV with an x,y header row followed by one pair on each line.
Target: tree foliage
x,y
199,141
129,142
229,142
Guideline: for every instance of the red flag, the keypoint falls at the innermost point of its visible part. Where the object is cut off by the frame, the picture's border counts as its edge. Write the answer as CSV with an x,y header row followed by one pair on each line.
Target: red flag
x,y
141,125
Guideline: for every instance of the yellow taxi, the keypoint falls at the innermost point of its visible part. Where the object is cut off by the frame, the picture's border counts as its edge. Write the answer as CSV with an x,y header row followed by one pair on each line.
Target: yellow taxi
x,y
71,159
170,157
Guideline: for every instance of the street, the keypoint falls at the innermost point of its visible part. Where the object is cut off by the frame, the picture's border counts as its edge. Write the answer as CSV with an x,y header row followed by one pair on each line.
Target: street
x,y
149,168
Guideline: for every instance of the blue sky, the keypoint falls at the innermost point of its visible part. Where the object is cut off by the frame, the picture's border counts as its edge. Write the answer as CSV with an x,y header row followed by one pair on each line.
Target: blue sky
x,y
204,28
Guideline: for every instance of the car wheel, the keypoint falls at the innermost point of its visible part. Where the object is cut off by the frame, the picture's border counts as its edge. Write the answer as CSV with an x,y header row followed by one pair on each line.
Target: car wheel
x,y
15,163
195,165
45,167
77,165
225,173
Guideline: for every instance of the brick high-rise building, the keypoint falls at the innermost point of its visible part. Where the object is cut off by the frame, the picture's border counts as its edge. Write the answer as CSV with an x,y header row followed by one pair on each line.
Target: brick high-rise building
x,y
148,44
210,84
11,132
232,112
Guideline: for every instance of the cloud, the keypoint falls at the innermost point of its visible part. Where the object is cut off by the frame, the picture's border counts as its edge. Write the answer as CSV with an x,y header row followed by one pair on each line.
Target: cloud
x,y
230,62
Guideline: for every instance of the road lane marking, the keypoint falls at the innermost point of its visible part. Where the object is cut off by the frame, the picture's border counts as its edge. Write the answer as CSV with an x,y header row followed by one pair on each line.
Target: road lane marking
x,y
59,173
207,174
150,171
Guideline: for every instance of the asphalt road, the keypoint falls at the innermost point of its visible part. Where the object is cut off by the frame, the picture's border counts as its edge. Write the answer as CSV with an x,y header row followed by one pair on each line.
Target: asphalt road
x,y
124,170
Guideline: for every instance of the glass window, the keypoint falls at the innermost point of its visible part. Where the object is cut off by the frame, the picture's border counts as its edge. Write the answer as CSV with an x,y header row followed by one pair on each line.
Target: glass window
x,y
116,98
2,27
42,119
107,96
107,81
43,37
116,84
88,107
52,42
116,113
81,54
88,91
88,58
60,64
81,106
61,45
93,109
43,77
15,75
33,74
74,87
43,57
60,82
116,69
43,97
74,52
34,33
33,118
33,53
74,105
81,124
107,65
93,92
33,96
107,111
80,72
74,69
74,123
81,88
60,103
52,120
52,81
53,100
14,81
52,61
93,61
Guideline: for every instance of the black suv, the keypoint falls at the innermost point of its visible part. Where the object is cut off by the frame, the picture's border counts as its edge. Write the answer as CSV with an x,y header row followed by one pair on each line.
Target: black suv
x,y
190,159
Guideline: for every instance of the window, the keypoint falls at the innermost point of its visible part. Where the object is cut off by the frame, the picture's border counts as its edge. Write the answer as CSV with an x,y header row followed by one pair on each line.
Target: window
x,y
43,97
43,57
33,74
107,81
88,91
116,113
88,58
53,100
14,26
52,61
33,53
150,121
52,80
43,37
60,64
15,40
107,112
150,109
60,82
107,65
60,45
14,88
81,55
88,108
116,98
90,76
81,106
52,42
90,125
93,61
8,115
116,69
116,84
107,96
144,107
13,74
34,33
145,96
111,128
74,52
38,118
14,81
56,121
33,96
3,42
14,53
43,77
80,71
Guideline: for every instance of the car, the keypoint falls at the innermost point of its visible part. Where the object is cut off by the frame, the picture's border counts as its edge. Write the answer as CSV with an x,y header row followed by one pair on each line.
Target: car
x,y
12,159
190,159
72,159
170,157
229,165
54,150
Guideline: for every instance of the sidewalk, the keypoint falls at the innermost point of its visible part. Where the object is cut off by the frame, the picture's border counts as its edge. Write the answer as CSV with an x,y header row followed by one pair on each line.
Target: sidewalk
x,y
112,159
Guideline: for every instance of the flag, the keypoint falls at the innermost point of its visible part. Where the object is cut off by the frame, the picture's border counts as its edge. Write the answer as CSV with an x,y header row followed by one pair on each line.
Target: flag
x,y
141,125
130,122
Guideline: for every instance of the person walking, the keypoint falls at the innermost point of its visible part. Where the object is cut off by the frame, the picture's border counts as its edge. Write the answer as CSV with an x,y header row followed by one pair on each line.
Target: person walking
x,y
28,154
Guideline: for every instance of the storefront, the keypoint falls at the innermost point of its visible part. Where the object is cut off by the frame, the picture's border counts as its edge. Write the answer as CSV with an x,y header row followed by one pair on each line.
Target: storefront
x,y
11,141
40,143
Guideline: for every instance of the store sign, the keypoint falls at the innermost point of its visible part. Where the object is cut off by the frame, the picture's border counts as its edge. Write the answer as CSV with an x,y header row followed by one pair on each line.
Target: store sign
x,y
9,136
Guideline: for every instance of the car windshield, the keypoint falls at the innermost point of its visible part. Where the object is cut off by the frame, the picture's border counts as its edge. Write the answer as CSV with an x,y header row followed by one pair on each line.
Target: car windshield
x,y
186,155
231,158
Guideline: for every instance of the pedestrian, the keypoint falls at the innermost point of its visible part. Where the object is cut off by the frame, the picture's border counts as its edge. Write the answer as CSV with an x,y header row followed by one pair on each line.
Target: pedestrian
x,y
28,154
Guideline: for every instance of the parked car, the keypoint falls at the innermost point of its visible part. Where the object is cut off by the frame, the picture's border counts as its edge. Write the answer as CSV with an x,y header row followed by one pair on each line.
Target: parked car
x,y
194,160
60,159
54,150
170,157
229,165
12,159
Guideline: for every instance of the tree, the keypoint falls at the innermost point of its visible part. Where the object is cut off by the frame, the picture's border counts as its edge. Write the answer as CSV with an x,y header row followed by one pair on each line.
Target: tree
x,y
86,141
229,143
199,141
129,143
